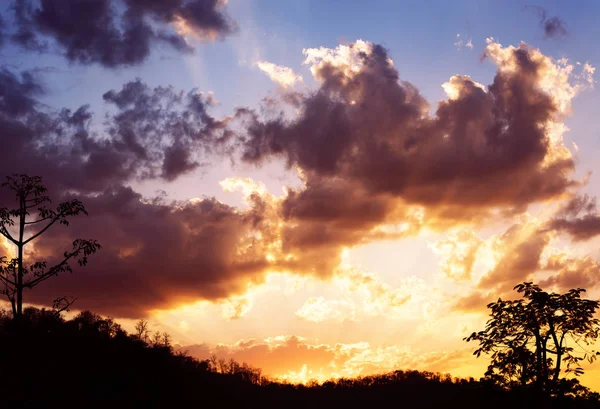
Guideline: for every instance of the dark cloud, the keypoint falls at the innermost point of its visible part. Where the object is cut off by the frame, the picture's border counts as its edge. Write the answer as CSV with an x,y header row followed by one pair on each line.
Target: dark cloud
x,y
18,93
114,33
369,151
150,133
579,218
581,228
375,165
554,27
328,215
571,272
155,255
164,129
372,130
205,247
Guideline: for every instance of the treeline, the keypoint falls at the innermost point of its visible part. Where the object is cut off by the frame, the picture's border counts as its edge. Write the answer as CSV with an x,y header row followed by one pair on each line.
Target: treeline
x,y
90,361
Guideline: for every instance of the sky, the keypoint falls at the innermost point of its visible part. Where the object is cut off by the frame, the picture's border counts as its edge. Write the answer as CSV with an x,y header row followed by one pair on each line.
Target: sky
x,y
319,189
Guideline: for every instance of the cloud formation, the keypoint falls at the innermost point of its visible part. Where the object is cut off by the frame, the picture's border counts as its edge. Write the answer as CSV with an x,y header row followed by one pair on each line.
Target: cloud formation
x,y
365,295
367,128
458,253
116,33
279,74
376,164
149,133
524,252
157,255
554,27
296,359
579,218
571,272
463,42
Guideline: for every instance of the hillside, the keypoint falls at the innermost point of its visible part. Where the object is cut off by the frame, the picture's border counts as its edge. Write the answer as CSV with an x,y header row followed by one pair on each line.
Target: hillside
x,y
90,362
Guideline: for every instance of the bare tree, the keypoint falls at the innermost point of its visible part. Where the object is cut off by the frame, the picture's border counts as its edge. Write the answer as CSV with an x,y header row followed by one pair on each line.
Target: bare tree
x,y
142,330
19,229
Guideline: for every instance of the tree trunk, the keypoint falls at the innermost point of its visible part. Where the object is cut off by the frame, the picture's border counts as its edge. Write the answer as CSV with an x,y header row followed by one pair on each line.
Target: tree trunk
x,y
538,362
19,283
544,364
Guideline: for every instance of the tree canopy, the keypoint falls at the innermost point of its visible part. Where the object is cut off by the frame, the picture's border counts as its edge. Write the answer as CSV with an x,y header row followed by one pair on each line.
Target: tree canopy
x,y
530,339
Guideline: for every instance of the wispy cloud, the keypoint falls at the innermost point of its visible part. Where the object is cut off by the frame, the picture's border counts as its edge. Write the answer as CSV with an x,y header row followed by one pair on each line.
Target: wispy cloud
x,y
554,27
279,74
463,42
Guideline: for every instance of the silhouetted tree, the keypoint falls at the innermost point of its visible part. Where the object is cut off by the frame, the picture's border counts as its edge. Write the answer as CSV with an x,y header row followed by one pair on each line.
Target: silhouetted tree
x,y
142,331
17,227
530,338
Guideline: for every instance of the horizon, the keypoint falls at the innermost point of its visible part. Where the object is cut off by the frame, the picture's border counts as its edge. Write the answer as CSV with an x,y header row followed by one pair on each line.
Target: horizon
x,y
319,189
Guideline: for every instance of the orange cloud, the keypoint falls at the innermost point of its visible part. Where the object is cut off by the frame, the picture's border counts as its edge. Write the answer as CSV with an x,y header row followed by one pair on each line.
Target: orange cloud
x,y
458,253
279,74
295,359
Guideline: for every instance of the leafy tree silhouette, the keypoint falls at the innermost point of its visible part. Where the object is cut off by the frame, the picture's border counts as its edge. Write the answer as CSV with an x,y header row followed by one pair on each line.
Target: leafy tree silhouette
x,y
16,226
530,338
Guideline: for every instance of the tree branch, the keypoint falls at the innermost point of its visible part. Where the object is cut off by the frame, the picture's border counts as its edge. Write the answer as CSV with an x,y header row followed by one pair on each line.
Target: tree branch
x,y
52,271
39,220
6,280
6,234
54,220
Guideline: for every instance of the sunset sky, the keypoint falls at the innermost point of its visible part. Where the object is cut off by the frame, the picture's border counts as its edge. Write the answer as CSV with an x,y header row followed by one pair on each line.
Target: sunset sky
x,y
319,189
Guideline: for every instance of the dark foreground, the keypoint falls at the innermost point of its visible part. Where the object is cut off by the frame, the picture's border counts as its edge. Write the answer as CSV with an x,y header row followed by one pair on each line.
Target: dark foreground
x,y
90,362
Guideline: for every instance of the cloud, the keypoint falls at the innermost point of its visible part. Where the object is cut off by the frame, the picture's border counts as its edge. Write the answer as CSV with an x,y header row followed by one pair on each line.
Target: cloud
x,y
165,128
114,33
376,164
476,301
317,309
463,42
571,272
235,307
587,73
296,359
517,254
458,253
365,295
167,254
579,227
554,27
520,249
279,74
149,133
377,297
372,132
559,272
524,253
